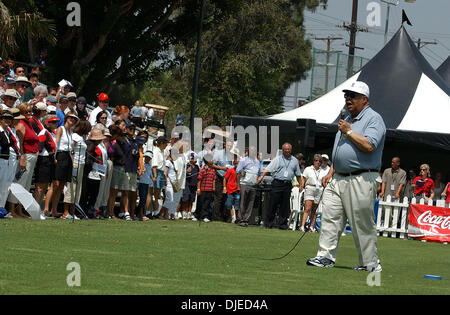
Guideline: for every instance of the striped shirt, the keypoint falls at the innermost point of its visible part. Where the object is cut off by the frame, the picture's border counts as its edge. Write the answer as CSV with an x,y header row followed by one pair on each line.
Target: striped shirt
x,y
47,143
207,177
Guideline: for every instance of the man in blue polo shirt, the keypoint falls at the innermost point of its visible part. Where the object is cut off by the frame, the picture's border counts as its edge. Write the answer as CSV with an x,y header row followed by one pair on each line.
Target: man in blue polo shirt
x,y
283,169
350,185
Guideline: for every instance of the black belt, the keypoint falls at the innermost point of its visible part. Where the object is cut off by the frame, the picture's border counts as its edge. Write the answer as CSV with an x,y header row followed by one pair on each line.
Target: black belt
x,y
357,172
283,181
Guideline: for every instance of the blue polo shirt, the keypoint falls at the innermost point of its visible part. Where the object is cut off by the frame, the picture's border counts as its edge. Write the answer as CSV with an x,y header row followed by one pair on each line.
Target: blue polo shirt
x,y
61,116
222,158
347,157
284,169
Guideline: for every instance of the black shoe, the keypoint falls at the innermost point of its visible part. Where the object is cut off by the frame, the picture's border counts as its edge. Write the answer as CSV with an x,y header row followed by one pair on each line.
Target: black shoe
x,y
283,227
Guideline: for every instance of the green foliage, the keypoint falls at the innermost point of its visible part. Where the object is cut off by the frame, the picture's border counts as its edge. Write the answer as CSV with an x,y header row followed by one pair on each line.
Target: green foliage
x,y
249,57
18,25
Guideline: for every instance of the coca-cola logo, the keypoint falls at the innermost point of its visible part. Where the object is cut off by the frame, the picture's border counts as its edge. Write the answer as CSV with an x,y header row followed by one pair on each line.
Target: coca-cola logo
x,y
434,221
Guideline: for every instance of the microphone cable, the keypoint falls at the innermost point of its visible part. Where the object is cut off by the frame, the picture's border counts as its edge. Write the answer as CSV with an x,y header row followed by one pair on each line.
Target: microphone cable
x,y
301,237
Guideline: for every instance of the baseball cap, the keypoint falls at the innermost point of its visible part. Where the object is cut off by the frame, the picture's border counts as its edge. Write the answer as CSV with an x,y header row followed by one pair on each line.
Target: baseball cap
x,y
325,156
358,87
63,98
148,154
72,115
50,118
130,124
193,155
51,109
9,80
81,100
51,99
71,95
162,140
103,97
40,106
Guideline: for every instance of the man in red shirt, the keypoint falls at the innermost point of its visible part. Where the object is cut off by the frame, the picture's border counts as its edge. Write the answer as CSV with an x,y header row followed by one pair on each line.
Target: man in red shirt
x,y
206,186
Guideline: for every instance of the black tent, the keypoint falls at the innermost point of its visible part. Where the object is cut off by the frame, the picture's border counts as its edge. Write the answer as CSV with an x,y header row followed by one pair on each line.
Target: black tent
x,y
444,71
405,90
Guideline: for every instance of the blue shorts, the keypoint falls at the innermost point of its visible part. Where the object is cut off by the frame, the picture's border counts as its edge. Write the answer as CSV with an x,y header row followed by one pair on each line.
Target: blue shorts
x,y
233,200
160,180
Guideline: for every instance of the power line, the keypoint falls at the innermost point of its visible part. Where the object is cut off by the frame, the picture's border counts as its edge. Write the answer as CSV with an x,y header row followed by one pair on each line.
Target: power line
x,y
442,44
438,56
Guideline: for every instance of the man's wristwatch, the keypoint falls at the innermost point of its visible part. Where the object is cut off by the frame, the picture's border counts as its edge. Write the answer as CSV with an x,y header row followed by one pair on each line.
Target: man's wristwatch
x,y
348,133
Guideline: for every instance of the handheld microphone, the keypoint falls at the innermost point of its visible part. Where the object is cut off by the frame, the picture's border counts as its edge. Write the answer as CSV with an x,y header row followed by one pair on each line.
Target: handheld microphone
x,y
343,112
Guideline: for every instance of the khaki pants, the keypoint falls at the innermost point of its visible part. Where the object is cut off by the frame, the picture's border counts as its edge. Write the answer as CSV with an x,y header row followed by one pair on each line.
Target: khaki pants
x,y
352,198
74,188
27,176
105,183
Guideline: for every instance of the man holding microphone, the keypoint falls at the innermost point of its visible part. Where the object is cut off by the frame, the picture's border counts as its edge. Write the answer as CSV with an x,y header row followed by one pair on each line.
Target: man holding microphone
x,y
350,186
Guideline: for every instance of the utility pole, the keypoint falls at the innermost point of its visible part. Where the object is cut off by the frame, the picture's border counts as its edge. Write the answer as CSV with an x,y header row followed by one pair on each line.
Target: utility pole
x,y
196,72
388,4
328,39
421,44
353,28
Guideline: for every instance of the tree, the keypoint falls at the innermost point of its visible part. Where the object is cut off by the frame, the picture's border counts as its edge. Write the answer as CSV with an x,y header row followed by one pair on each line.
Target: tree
x,y
118,42
16,25
249,58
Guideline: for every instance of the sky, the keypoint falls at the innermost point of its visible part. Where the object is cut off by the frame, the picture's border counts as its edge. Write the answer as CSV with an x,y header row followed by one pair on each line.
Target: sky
x,y
429,18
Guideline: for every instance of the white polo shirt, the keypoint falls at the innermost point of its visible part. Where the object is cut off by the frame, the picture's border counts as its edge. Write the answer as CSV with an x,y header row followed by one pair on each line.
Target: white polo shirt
x,y
312,176
158,159
93,117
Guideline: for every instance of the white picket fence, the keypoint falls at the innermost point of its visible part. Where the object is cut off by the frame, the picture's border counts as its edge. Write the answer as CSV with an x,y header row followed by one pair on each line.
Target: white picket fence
x,y
392,218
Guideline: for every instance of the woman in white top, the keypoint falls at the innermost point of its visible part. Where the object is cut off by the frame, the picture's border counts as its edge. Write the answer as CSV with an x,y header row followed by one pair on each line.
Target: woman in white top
x,y
175,172
5,144
313,190
64,166
180,164
73,192
169,202
158,168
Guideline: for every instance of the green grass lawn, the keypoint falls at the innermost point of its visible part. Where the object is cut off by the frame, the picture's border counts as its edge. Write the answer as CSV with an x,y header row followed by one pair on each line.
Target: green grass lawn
x,y
188,258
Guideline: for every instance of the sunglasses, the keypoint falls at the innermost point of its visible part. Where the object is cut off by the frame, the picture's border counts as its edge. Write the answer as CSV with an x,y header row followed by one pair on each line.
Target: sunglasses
x,y
351,94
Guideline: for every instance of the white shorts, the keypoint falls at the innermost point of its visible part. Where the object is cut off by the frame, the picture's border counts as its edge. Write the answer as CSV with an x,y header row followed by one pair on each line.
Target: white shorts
x,y
313,193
